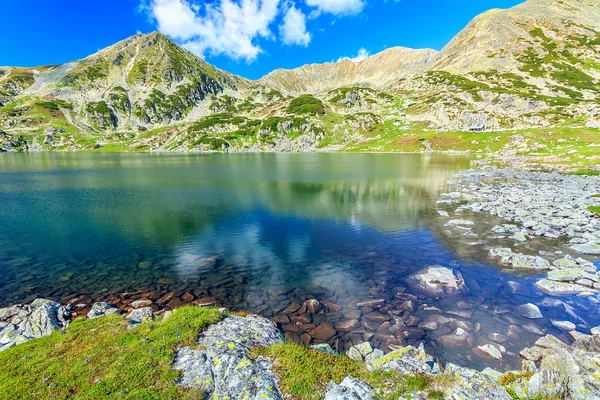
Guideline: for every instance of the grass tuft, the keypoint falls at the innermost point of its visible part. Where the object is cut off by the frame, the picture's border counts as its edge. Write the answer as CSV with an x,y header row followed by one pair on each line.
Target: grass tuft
x,y
304,373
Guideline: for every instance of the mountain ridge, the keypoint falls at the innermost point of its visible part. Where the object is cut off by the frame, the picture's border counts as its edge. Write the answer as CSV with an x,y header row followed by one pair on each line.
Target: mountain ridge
x,y
534,65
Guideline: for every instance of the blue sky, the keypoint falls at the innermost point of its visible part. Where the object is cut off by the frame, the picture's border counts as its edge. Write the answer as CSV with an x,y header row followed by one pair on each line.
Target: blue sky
x,y
246,37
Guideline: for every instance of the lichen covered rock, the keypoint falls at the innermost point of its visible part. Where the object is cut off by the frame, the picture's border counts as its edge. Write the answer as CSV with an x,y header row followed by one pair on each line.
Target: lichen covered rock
x,y
222,368
349,389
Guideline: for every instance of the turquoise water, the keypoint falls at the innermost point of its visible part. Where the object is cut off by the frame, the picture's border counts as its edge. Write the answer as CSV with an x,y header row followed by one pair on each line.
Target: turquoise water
x,y
257,232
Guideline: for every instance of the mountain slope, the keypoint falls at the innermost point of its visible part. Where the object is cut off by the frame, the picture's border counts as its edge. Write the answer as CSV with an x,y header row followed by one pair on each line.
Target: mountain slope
x,y
535,65
376,71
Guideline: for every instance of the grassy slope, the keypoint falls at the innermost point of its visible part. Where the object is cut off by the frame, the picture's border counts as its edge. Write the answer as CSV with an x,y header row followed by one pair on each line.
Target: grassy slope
x,y
99,358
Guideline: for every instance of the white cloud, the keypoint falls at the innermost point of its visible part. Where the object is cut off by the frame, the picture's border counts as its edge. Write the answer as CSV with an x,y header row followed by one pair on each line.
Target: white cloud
x,y
337,7
293,28
234,28
362,54
228,27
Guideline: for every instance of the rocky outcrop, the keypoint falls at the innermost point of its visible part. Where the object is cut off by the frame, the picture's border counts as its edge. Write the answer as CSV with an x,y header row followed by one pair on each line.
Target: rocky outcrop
x,y
562,371
222,368
19,324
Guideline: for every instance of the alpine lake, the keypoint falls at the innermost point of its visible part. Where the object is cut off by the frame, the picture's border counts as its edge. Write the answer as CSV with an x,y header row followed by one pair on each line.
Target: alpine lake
x,y
267,234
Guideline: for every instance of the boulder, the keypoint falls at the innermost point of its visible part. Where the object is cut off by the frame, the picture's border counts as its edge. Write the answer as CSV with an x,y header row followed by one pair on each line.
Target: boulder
x,y
41,322
438,281
141,315
222,366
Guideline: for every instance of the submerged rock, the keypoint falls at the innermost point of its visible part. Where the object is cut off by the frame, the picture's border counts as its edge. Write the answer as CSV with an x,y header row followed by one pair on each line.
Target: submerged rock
x,y
438,281
529,310
222,367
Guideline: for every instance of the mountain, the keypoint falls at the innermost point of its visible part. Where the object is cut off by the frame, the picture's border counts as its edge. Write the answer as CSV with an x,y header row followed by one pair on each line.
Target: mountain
x,y
376,71
533,66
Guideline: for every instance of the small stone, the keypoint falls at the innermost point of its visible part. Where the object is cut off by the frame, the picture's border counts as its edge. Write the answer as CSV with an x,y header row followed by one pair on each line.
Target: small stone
x,y
371,303
313,306
206,302
347,326
489,351
144,265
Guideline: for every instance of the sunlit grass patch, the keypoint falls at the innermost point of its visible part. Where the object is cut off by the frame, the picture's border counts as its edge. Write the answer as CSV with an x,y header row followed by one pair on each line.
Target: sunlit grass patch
x,y
304,373
100,358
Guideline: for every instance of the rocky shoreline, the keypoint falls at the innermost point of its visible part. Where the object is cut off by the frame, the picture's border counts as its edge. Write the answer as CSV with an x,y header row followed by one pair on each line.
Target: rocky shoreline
x,y
222,366
535,205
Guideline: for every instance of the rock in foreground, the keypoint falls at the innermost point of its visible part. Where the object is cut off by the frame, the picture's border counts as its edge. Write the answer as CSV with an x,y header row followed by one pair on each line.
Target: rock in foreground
x,y
221,368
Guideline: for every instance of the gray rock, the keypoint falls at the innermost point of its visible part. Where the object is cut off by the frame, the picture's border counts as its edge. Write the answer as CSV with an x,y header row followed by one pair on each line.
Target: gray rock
x,y
587,248
6,313
41,322
349,389
560,288
101,309
564,326
141,315
325,348
222,367
529,311
408,360
471,384
460,222
438,281
489,351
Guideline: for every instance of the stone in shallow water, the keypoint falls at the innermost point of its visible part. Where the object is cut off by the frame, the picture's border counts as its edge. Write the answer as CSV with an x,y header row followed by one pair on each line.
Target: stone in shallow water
x,y
488,350
587,248
460,222
471,384
565,326
554,287
438,281
519,237
529,311
224,368
349,389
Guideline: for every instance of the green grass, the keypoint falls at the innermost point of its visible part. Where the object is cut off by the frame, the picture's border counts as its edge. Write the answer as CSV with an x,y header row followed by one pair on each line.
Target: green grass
x,y
100,359
595,209
304,373
586,172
